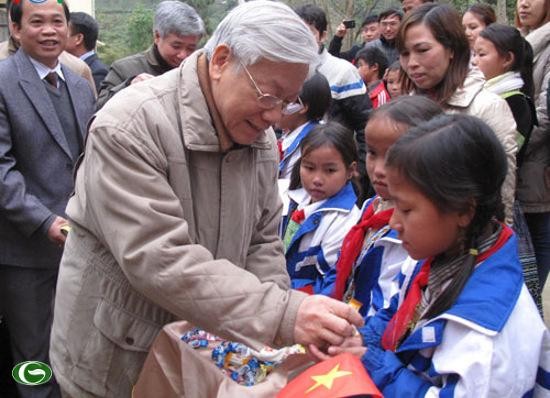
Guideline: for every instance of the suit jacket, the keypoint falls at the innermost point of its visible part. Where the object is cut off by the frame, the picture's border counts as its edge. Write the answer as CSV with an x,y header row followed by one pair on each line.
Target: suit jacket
x,y
35,161
9,48
99,69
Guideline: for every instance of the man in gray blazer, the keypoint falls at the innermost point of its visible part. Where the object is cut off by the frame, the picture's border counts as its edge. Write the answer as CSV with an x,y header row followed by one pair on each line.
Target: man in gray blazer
x,y
44,109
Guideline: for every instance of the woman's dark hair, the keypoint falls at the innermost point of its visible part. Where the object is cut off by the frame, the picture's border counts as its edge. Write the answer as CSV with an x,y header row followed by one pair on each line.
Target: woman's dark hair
x,y
16,11
509,40
317,96
373,55
445,24
459,164
409,110
484,12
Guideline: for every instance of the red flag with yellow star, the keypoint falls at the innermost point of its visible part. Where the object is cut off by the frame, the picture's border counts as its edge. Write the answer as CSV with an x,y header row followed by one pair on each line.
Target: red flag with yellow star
x,y
338,377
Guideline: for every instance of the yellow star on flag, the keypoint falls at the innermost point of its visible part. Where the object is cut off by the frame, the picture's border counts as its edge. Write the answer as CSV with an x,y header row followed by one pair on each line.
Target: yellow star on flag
x,y
327,379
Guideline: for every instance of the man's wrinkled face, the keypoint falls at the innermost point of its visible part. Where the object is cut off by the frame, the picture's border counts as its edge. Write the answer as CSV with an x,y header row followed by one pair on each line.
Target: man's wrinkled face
x,y
175,48
236,98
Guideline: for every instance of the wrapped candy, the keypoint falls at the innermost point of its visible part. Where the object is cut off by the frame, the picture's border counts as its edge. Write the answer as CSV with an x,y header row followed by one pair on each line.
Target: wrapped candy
x,y
238,361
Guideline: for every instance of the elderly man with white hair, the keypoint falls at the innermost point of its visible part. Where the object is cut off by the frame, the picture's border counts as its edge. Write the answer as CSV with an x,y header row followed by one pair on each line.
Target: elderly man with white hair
x,y
177,29
176,210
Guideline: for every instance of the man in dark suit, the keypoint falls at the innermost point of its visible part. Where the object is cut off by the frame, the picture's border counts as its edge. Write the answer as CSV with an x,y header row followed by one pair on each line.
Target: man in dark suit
x,y
44,109
83,33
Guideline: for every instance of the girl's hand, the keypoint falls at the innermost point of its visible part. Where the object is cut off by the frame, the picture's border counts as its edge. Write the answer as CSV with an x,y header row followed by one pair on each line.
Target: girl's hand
x,y
353,345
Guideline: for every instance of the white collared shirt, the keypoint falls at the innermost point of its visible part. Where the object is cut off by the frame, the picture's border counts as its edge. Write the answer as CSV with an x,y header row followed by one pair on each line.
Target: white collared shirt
x,y
43,70
87,55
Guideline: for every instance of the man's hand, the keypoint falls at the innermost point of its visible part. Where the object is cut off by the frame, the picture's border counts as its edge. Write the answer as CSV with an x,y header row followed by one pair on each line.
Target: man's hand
x,y
324,322
141,77
353,345
54,232
341,31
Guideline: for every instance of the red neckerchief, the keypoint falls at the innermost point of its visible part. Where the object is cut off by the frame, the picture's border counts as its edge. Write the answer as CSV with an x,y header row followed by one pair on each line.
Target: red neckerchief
x,y
400,322
280,148
353,243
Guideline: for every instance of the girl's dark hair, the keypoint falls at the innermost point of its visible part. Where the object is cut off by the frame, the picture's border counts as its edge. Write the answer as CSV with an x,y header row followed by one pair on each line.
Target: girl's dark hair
x,y
409,110
445,24
458,163
373,55
509,40
316,95
333,134
484,12
396,65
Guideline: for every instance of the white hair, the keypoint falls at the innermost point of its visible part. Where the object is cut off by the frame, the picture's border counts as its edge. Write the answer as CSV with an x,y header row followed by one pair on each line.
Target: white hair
x,y
173,16
265,29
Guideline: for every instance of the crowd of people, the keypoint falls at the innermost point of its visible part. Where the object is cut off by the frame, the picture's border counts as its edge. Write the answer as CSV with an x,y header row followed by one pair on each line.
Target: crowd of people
x,y
266,198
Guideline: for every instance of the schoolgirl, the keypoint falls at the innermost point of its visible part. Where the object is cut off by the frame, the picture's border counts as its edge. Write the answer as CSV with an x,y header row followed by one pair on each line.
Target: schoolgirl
x,y
393,80
371,254
315,99
506,59
323,210
463,324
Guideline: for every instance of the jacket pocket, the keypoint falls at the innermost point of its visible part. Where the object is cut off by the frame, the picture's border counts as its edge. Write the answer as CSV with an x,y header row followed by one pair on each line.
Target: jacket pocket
x,y
114,351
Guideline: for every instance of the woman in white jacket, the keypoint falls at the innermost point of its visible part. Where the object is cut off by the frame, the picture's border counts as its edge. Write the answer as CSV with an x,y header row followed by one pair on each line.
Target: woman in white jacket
x,y
434,53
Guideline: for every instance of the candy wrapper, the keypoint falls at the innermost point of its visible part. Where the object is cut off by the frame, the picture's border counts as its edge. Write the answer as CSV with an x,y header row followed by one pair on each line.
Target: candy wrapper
x,y
238,361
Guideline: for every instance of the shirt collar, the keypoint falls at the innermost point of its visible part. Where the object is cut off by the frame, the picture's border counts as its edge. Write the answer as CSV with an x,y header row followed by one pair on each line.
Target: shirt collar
x,y
43,70
87,55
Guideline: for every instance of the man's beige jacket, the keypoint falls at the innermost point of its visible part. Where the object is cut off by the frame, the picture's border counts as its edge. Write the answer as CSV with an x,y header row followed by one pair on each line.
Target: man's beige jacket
x,y
166,227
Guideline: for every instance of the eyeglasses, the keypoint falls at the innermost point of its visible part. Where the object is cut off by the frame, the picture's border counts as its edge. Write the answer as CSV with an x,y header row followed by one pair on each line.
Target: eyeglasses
x,y
268,101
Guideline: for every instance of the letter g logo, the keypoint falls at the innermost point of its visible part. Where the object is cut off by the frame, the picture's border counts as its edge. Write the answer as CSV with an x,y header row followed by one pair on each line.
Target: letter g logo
x,y
31,373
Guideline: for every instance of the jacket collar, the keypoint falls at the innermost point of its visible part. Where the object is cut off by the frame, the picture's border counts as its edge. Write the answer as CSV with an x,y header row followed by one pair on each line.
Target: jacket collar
x,y
485,303
539,39
154,59
342,201
463,96
199,125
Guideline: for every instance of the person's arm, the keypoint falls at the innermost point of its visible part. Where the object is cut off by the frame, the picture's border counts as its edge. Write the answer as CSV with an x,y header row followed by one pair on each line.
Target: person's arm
x,y
455,371
114,81
330,248
335,46
498,116
23,209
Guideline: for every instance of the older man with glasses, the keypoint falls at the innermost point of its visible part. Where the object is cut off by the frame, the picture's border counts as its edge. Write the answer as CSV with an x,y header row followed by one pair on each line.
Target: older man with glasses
x,y
176,211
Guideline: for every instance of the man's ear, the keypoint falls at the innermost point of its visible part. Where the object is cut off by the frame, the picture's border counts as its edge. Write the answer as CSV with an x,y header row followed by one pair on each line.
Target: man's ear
x,y
221,58
79,39
304,110
156,37
15,31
